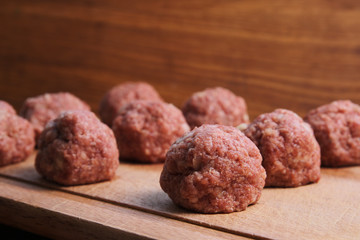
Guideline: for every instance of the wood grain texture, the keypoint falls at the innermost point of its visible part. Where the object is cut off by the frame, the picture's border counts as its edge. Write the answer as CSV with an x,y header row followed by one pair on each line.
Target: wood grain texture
x,y
326,210
59,215
281,53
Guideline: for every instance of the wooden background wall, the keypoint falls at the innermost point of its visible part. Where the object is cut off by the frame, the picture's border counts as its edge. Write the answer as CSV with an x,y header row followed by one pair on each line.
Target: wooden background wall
x,y
279,53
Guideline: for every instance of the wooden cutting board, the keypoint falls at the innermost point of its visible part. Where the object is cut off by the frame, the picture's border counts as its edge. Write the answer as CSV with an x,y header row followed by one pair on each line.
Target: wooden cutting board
x,y
134,206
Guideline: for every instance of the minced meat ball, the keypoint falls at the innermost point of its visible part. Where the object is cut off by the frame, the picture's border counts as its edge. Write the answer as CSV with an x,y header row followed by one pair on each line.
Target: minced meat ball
x,y
41,109
145,130
337,129
16,136
123,94
77,148
213,169
291,155
215,106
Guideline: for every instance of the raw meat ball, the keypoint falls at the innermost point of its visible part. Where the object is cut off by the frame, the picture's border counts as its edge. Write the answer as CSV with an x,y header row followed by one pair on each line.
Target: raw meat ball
x,y
337,129
41,109
145,130
123,94
291,155
215,106
76,148
16,136
213,169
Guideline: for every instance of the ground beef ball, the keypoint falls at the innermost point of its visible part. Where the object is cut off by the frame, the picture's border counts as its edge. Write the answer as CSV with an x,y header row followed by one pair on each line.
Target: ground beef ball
x,y
41,109
337,129
145,130
16,136
76,148
213,169
215,106
123,94
291,155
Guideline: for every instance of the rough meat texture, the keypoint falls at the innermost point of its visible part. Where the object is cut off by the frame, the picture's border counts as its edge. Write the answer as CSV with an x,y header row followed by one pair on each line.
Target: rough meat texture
x,y
213,169
145,130
291,155
215,106
337,129
6,108
41,109
76,148
16,136
123,94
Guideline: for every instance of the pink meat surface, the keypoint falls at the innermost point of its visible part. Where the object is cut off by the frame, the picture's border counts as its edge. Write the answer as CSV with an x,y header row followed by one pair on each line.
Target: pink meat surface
x,y
215,106
123,94
77,148
41,109
145,130
337,129
213,169
17,136
291,155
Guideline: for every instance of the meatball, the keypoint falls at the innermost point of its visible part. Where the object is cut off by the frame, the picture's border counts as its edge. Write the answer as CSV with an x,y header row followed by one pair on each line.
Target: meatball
x,y
77,148
16,136
291,155
337,129
145,130
123,94
215,106
213,169
41,109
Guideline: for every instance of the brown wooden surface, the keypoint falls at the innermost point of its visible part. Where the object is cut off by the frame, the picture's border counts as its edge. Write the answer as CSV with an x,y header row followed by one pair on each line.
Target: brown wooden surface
x,y
280,53
60,215
133,205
